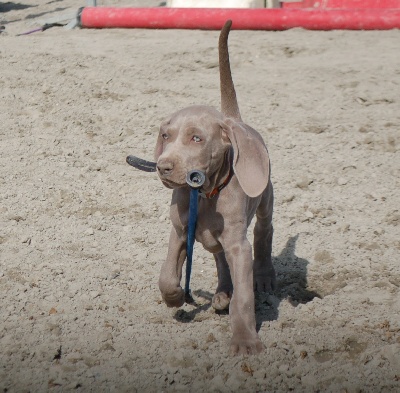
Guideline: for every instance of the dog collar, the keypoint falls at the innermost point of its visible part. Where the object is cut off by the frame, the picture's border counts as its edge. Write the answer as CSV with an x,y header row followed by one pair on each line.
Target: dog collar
x,y
217,190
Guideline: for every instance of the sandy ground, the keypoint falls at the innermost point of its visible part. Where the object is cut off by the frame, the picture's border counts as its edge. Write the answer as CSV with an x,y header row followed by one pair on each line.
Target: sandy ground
x,y
83,235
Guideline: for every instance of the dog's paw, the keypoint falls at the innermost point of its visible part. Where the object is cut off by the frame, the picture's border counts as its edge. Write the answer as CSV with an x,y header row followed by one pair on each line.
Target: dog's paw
x,y
220,301
175,298
251,346
265,282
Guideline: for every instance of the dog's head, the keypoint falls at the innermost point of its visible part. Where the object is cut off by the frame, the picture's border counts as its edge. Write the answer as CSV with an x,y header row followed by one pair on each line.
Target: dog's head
x,y
200,138
190,139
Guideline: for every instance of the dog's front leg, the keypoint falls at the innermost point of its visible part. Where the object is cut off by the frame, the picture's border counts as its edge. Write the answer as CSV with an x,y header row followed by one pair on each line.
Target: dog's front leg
x,y
245,339
171,272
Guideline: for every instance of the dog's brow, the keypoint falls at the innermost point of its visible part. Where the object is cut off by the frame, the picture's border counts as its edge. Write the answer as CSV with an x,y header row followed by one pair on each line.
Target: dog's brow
x,y
166,128
192,130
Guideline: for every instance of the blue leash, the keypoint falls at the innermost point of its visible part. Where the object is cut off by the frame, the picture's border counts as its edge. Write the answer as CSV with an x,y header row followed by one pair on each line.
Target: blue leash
x,y
195,179
193,204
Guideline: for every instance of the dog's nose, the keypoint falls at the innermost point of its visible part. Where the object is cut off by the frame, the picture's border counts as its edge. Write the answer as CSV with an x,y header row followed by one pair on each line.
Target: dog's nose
x,y
165,168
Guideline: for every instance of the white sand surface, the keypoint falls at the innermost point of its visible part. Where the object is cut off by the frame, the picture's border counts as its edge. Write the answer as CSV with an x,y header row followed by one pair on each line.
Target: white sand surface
x,y
83,235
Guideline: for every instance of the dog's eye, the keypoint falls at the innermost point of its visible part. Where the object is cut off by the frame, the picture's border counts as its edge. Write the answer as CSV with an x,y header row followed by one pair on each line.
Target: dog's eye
x,y
196,139
164,136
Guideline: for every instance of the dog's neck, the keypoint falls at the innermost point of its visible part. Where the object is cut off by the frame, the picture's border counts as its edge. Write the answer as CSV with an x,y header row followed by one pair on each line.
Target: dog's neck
x,y
221,178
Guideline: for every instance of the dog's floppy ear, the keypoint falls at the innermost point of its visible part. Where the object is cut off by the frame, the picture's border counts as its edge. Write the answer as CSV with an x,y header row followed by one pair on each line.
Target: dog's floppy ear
x,y
251,159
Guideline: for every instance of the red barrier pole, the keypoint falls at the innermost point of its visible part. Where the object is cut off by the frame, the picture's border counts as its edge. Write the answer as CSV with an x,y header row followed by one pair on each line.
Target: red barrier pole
x,y
243,19
343,4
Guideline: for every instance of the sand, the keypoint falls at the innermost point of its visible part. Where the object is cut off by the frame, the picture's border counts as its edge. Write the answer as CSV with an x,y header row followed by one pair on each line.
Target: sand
x,y
83,235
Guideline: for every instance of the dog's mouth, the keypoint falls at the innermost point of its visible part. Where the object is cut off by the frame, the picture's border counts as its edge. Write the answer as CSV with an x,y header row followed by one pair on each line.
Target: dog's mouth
x,y
172,184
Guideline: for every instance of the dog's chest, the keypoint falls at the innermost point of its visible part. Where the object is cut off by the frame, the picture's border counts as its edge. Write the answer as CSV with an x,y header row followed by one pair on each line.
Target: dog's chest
x,y
208,229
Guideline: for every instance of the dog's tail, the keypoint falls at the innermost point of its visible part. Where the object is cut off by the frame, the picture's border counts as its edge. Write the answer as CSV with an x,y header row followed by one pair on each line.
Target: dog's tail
x,y
229,105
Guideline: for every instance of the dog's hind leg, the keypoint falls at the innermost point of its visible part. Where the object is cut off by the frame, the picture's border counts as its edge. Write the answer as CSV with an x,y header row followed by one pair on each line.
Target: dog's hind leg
x,y
263,270
223,293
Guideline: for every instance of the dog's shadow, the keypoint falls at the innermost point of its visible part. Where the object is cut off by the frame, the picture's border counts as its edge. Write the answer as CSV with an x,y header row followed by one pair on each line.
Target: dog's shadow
x,y
292,284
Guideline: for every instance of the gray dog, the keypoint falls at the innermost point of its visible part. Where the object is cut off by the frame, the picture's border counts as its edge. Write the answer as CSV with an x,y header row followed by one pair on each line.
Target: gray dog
x,y
236,163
